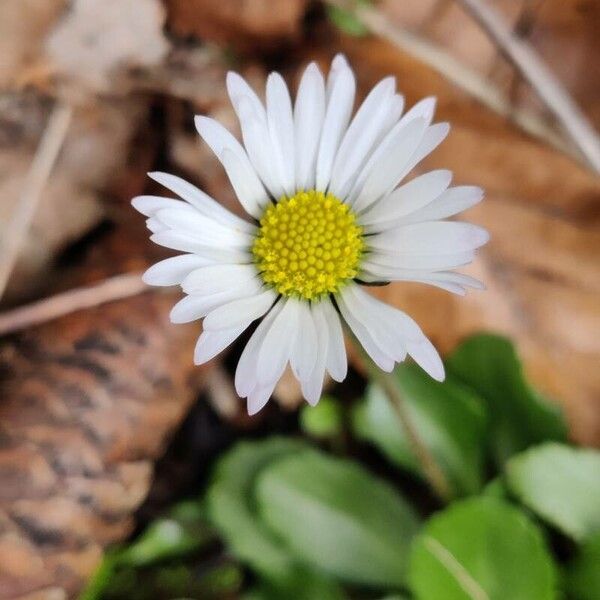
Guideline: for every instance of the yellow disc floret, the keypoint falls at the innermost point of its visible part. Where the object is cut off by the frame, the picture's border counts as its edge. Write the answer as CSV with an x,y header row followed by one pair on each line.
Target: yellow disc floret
x,y
308,245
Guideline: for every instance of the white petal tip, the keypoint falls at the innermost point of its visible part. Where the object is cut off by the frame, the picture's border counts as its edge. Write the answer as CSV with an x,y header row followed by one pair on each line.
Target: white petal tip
x,y
340,60
199,122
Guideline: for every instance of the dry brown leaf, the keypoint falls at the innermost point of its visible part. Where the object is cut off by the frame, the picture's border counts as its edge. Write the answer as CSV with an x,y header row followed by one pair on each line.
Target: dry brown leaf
x,y
96,40
565,33
241,24
23,25
88,403
94,153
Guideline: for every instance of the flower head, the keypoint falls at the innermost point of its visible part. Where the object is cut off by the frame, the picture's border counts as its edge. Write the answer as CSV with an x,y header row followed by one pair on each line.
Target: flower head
x,y
327,215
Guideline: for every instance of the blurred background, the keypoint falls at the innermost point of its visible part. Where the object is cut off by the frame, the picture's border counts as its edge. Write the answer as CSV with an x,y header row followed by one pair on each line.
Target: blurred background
x,y
109,435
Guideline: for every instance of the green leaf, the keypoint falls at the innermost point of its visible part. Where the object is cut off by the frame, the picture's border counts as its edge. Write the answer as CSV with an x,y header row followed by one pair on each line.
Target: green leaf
x,y
481,549
583,573
449,418
519,417
496,488
231,505
346,20
305,584
325,420
183,531
560,484
334,515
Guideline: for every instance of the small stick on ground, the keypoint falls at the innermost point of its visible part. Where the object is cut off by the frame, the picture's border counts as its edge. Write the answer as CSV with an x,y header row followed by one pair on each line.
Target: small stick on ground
x,y
541,79
113,288
16,229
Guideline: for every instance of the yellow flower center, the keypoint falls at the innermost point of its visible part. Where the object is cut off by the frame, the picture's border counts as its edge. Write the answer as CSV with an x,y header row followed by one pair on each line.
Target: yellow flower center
x,y
308,245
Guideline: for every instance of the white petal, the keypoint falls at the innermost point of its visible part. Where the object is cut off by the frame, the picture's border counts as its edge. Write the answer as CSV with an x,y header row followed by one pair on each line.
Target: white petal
x,y
336,361
338,65
427,357
391,168
148,205
260,149
453,282
309,112
211,343
436,237
196,306
155,226
355,318
340,100
304,351
406,199
281,128
424,109
255,132
246,184
217,278
312,385
362,133
396,106
184,242
390,319
201,201
435,262
203,229
453,201
433,137
259,397
277,345
238,89
172,271
245,374
239,311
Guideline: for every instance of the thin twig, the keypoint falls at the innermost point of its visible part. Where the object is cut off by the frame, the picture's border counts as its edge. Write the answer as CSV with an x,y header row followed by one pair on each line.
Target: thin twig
x,y
16,229
465,78
431,469
113,288
541,79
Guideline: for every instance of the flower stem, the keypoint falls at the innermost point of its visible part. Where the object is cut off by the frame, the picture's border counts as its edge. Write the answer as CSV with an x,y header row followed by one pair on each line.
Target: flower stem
x,y
388,382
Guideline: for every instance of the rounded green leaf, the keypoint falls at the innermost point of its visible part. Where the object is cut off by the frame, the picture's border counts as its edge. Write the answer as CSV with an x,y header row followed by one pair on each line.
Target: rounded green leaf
x,y
481,549
449,418
231,505
325,420
583,574
334,515
560,484
519,417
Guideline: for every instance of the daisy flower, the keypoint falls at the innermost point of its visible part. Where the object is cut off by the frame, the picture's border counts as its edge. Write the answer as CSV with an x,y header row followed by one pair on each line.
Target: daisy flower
x,y
326,217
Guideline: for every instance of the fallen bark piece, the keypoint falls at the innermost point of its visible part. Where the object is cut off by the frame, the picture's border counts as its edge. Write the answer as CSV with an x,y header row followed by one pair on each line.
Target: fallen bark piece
x,y
88,401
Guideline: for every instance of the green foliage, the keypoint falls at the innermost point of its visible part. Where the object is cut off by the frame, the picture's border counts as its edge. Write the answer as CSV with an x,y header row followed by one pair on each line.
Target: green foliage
x,y
232,509
449,418
481,549
334,515
325,420
184,531
583,573
307,525
560,484
519,417
346,20
181,532
304,584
